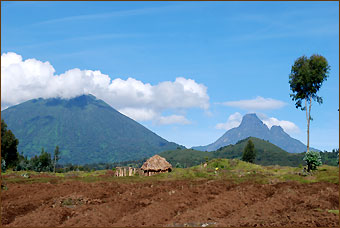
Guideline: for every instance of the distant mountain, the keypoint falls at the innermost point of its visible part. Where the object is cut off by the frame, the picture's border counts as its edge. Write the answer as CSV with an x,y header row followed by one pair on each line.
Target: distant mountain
x,y
251,125
266,154
86,129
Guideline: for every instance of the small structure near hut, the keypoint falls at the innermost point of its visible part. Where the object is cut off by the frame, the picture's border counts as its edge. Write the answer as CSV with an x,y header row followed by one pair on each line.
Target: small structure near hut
x,y
156,164
126,171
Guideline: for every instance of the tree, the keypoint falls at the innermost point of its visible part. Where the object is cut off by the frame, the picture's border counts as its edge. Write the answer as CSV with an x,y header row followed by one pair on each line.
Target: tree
x,y
249,153
23,163
41,163
313,160
305,79
56,157
8,146
45,161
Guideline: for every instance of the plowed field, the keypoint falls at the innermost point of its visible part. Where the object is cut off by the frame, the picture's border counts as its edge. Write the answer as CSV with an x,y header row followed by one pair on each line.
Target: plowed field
x,y
169,203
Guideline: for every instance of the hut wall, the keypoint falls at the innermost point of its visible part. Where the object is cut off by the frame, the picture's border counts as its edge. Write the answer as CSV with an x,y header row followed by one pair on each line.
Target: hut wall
x,y
153,172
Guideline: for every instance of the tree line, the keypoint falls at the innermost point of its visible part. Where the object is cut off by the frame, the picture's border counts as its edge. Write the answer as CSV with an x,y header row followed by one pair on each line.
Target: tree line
x,y
10,158
45,162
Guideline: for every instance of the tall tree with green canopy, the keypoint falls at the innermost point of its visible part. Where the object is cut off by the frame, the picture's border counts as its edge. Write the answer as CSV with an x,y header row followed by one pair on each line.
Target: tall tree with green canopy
x,y
249,153
9,145
305,79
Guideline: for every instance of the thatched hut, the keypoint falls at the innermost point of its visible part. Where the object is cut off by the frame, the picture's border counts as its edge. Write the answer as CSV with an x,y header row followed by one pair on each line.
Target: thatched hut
x,y
156,164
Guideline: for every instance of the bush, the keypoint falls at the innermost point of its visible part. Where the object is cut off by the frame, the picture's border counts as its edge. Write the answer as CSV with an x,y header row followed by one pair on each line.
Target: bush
x,y
22,165
3,165
313,160
41,163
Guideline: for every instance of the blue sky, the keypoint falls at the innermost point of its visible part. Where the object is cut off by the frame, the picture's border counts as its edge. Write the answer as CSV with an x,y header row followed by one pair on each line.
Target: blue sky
x,y
186,70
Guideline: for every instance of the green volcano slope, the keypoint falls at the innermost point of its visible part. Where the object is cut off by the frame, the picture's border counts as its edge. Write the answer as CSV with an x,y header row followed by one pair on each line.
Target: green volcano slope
x,y
86,129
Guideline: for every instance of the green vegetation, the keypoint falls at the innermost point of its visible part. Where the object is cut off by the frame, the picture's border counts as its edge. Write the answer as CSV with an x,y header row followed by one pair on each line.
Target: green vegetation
x,y
3,165
41,163
330,158
266,154
313,160
306,78
9,145
249,152
333,211
186,157
86,129
233,170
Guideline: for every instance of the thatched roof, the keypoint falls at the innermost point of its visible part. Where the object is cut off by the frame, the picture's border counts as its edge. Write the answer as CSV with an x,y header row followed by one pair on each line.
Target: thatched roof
x,y
156,163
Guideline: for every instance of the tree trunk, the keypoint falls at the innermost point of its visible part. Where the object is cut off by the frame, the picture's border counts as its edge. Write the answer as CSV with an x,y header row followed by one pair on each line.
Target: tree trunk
x,y
310,107
308,120
55,161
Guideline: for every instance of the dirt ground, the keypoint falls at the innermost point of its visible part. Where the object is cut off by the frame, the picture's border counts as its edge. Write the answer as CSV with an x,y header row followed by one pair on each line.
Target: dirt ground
x,y
169,203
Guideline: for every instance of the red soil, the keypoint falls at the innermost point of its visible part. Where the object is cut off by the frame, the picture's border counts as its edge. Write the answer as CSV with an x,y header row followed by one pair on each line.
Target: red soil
x,y
173,203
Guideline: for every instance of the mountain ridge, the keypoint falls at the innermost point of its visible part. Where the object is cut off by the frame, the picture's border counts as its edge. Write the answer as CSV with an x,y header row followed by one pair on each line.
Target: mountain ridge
x,y
252,126
266,154
86,129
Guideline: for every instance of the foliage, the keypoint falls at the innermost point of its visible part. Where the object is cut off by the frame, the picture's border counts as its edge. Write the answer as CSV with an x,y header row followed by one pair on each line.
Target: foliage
x,y
333,211
23,164
186,157
313,160
8,146
306,78
330,158
266,154
86,129
3,165
249,153
41,163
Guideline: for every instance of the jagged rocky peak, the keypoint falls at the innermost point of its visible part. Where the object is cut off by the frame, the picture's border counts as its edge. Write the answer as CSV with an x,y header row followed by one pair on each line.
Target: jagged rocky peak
x,y
251,125
276,128
250,119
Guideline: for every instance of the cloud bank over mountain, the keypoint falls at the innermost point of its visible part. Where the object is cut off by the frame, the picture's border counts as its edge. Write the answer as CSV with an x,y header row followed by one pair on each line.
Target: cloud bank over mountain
x,y
22,80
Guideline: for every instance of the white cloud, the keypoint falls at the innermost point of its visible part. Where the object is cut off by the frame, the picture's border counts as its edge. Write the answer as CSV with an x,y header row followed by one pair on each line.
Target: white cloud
x,y
141,114
234,120
259,103
173,119
22,80
287,126
144,114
